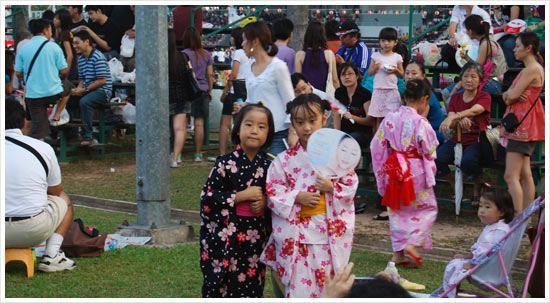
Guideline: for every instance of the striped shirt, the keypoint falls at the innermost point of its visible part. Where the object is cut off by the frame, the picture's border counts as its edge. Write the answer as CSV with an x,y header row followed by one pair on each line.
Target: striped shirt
x,y
360,55
95,67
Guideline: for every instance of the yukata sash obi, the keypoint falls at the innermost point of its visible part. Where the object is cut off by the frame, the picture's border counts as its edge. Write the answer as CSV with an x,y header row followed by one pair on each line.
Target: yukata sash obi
x,y
400,189
320,208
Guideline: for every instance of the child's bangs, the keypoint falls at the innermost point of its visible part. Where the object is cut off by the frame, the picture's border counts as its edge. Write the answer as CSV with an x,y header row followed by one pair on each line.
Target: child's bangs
x,y
306,111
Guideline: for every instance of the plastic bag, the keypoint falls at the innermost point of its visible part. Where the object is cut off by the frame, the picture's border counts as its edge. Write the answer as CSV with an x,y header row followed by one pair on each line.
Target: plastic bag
x,y
65,118
129,114
430,52
117,69
128,77
127,46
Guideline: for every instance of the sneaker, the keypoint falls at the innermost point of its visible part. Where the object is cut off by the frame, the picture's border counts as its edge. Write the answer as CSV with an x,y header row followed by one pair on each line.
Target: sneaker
x,y
174,164
58,263
180,158
212,159
198,157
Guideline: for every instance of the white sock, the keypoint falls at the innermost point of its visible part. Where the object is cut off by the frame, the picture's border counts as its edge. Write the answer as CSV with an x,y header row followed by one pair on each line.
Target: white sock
x,y
53,245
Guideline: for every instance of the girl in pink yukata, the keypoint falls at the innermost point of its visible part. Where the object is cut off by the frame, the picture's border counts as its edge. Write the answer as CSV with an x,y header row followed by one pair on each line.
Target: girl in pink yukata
x,y
313,218
496,210
403,154
386,66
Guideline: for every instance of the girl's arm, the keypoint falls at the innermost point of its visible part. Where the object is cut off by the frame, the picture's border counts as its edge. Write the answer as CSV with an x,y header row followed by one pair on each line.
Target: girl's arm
x,y
482,53
281,195
217,191
333,70
344,188
234,75
399,70
299,61
69,52
210,75
337,120
373,68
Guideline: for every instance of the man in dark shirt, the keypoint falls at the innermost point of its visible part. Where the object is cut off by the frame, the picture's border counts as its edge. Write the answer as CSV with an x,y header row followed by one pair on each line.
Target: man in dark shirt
x,y
76,15
105,33
123,16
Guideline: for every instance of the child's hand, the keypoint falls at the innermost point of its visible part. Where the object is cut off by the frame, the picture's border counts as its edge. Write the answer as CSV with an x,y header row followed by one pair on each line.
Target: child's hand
x,y
324,185
467,266
308,199
340,285
258,206
253,193
377,66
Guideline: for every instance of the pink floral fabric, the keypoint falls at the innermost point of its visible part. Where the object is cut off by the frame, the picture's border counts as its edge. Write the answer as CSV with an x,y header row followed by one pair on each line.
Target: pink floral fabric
x,y
300,249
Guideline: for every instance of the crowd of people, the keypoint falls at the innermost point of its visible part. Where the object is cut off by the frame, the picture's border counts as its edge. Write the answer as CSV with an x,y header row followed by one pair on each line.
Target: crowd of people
x,y
263,206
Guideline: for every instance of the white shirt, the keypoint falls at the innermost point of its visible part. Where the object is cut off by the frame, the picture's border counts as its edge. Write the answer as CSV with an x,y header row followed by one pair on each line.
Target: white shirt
x,y
240,56
459,15
273,88
26,180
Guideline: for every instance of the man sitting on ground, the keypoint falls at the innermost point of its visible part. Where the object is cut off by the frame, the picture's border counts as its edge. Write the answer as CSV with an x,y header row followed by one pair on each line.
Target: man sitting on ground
x,y
95,81
37,209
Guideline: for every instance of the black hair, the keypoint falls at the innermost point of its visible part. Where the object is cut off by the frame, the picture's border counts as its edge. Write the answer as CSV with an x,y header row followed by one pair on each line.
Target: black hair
x,y
259,30
388,33
502,199
64,19
482,28
530,38
348,65
402,49
377,288
239,120
237,35
416,89
310,103
423,70
15,114
84,35
472,65
282,28
37,26
95,8
316,40
331,28
296,77
176,59
48,15
78,7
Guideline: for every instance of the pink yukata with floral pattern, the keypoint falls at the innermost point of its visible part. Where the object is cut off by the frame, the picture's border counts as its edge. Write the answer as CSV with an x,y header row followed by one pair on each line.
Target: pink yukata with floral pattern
x,y
300,249
491,235
402,130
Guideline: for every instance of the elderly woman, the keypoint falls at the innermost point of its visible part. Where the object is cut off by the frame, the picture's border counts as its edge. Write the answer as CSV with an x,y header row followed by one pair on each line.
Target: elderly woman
x,y
523,101
471,110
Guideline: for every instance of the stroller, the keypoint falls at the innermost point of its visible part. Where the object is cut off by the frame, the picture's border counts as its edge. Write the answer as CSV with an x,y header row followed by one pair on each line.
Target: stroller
x,y
492,270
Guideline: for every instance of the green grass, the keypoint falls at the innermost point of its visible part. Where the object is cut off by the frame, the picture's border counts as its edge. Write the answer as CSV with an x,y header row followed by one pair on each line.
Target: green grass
x,y
154,272
94,178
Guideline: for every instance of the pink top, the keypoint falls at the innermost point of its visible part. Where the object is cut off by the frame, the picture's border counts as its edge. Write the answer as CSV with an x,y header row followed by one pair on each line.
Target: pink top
x,y
532,129
383,79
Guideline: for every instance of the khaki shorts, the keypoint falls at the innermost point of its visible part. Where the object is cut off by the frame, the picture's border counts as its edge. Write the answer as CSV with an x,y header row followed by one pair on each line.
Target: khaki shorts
x,y
35,230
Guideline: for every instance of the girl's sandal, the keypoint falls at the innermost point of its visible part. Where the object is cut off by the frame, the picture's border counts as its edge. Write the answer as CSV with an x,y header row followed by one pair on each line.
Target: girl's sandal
x,y
418,261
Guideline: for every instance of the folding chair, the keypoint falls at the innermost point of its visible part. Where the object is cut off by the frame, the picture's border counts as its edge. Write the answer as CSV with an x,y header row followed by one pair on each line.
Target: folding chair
x,y
492,270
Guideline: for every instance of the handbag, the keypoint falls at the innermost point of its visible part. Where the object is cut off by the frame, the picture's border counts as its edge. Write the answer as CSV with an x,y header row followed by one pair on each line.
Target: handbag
x,y
190,84
83,241
510,121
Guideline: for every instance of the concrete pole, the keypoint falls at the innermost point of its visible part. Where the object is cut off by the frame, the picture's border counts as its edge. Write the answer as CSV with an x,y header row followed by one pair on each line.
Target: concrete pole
x,y
152,133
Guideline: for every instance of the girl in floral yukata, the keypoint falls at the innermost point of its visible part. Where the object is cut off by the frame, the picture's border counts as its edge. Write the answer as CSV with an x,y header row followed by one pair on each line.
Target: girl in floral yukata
x,y
403,153
312,217
233,227
496,210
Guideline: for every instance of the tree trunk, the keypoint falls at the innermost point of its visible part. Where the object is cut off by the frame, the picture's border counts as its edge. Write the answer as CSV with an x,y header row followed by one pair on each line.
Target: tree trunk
x,y
298,14
20,21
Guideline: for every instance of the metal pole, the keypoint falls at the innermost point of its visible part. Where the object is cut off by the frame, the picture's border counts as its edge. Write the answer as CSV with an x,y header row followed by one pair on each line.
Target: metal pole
x,y
152,132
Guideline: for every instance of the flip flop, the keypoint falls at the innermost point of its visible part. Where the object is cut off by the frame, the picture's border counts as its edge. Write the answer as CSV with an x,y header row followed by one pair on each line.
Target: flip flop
x,y
417,259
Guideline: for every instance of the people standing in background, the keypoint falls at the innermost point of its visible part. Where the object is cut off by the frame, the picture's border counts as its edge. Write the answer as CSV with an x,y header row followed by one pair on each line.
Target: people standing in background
x,y
282,33
202,63
315,61
183,15
267,81
333,42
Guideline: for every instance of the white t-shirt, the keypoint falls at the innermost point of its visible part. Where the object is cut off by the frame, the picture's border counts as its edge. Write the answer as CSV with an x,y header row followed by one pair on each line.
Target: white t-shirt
x,y
240,56
459,15
273,88
26,180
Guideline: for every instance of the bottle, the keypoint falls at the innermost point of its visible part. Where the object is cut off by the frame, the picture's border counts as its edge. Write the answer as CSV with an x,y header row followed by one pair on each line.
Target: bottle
x,y
392,271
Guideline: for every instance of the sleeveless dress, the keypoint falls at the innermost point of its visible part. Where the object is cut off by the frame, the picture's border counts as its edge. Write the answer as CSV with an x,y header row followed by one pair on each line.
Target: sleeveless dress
x,y
316,69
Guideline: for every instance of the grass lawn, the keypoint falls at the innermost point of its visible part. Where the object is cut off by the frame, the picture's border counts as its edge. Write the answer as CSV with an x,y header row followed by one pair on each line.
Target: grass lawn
x,y
95,178
161,272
